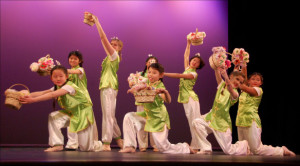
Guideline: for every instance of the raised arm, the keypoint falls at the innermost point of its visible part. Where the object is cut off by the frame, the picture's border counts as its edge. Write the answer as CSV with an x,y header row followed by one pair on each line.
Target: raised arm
x,y
218,76
179,75
47,96
105,42
233,93
187,54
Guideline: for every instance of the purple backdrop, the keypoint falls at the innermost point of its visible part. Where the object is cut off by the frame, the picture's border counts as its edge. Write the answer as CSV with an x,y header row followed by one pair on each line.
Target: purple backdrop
x,y
30,30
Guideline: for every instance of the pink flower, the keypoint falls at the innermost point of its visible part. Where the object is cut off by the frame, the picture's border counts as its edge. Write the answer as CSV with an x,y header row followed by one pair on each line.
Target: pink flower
x,y
228,63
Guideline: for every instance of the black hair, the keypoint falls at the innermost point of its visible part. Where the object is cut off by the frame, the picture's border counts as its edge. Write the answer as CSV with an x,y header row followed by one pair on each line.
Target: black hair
x,y
150,57
62,68
59,67
256,74
159,67
201,62
78,55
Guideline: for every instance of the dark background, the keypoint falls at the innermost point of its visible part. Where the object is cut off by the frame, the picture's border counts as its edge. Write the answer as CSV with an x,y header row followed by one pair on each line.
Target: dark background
x,y
267,32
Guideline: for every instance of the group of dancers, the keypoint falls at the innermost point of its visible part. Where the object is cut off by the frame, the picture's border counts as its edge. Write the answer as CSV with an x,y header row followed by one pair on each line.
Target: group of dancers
x,y
151,120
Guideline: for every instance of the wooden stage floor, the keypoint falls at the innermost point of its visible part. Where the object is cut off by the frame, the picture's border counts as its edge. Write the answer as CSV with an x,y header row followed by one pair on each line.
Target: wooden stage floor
x,y
36,156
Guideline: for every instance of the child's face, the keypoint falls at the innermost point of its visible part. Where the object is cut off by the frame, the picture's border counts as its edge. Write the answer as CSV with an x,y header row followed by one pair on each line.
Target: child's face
x,y
236,81
115,45
58,77
150,61
74,61
195,63
154,75
255,81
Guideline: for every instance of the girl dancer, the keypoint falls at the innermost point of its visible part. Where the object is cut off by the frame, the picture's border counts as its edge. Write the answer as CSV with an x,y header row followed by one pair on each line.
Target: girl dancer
x,y
154,119
77,112
109,86
187,96
218,121
248,122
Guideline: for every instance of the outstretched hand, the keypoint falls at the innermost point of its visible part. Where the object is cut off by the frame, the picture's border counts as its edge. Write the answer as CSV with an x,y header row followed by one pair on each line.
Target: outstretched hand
x,y
26,99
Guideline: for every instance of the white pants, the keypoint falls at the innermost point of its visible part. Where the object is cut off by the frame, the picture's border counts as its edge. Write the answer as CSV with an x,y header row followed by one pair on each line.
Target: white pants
x,y
72,140
224,139
192,111
73,137
142,136
253,136
87,138
110,128
134,123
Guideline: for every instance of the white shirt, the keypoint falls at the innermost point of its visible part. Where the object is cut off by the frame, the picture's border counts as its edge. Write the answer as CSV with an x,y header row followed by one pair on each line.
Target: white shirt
x,y
68,88
114,56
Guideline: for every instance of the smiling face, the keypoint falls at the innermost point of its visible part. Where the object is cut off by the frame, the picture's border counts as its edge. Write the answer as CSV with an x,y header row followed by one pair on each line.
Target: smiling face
x,y
236,80
59,77
195,63
255,81
74,61
154,75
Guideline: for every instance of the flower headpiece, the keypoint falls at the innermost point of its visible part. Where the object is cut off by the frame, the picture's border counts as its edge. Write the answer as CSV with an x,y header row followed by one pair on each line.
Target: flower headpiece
x,y
150,55
197,54
114,38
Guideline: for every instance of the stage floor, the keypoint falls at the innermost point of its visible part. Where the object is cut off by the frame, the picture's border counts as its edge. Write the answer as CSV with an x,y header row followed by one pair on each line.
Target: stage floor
x,y
37,156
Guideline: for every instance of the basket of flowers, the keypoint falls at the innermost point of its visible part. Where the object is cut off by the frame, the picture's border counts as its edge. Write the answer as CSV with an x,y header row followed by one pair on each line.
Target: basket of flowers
x,y
12,96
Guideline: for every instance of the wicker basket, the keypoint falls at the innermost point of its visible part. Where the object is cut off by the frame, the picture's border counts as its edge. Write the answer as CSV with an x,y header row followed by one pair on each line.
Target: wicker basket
x,y
12,97
213,62
87,18
145,96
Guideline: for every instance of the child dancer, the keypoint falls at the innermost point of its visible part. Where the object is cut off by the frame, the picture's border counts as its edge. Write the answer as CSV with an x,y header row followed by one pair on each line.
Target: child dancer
x,y
154,119
248,122
78,77
218,120
142,136
77,112
109,85
187,96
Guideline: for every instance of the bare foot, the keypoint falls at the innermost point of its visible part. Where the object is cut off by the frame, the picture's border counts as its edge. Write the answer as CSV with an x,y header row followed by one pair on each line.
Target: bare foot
x,y
106,148
204,152
127,150
120,143
248,149
287,152
192,151
143,149
155,149
55,149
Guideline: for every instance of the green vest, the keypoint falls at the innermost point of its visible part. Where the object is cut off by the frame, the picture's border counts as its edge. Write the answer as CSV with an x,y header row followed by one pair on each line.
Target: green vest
x,y
81,83
109,77
78,107
219,116
156,113
186,88
248,110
